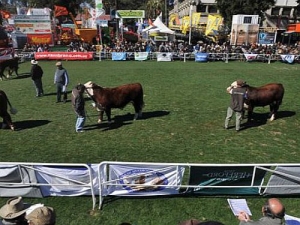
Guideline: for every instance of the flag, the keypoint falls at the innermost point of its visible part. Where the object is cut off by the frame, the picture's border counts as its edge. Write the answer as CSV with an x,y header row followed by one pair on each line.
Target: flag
x,y
60,11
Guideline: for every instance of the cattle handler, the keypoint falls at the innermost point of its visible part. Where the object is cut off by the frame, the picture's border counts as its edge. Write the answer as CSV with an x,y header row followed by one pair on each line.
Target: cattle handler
x,y
238,94
61,79
78,106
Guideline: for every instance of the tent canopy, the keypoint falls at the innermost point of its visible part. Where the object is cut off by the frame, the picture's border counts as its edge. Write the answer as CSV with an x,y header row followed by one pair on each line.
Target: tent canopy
x,y
158,26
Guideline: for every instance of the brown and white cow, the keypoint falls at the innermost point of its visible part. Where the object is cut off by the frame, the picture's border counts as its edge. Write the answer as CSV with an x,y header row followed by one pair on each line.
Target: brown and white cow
x,y
4,103
117,97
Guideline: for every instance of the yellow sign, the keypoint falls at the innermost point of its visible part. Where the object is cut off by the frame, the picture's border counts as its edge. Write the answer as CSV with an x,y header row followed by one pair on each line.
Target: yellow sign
x,y
213,23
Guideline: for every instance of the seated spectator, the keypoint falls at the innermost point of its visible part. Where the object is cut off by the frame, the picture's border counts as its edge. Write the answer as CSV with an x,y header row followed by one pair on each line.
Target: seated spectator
x,y
13,212
273,213
197,222
41,216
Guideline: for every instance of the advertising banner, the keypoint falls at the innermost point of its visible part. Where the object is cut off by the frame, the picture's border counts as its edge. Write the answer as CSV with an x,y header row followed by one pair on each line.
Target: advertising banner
x,y
6,53
118,56
64,55
33,24
225,176
40,39
266,38
250,57
213,23
288,58
164,57
201,57
140,56
145,180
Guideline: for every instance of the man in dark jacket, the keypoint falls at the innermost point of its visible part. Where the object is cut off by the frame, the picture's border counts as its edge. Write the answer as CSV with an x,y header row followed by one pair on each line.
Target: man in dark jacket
x,y
238,94
36,75
78,106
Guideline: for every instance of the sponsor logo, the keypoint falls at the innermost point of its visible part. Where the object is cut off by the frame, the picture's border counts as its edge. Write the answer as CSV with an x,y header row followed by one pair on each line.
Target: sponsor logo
x,y
143,180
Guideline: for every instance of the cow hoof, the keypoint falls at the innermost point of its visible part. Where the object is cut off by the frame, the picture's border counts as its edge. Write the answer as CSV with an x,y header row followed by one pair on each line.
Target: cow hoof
x,y
99,121
272,117
12,128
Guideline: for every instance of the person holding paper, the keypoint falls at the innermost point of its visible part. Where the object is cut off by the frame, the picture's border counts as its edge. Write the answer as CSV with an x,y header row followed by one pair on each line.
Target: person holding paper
x,y
273,214
61,79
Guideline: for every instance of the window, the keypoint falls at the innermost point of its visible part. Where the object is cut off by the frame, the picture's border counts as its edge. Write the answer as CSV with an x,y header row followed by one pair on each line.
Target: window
x,y
201,8
212,9
286,12
275,11
247,19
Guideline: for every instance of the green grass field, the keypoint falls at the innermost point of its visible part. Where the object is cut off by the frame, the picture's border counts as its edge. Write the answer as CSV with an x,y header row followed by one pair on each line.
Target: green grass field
x,y
185,108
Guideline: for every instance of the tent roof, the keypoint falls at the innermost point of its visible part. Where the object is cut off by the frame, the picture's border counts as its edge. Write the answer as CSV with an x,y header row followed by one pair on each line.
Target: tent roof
x,y
158,26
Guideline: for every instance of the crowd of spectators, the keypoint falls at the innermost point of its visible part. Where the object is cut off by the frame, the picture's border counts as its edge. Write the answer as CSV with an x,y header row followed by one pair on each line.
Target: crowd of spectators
x,y
177,47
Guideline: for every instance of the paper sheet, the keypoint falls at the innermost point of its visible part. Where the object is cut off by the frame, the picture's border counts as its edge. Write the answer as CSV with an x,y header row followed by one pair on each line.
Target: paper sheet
x,y
238,205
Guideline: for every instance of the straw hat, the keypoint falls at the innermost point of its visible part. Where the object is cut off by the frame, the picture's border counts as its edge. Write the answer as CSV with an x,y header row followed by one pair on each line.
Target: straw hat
x,y
42,216
58,64
13,208
34,62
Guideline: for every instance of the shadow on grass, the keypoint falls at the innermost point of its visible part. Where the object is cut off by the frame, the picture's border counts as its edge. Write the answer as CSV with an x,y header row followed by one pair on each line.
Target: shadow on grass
x,y
22,76
123,120
259,119
28,124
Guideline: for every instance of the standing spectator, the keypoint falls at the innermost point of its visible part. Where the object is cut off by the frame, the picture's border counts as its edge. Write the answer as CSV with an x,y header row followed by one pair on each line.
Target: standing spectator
x,y
13,212
238,94
273,214
36,74
61,79
41,216
78,106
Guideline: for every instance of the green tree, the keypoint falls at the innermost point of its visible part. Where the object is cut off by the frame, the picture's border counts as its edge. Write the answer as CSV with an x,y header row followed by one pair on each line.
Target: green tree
x,y
228,8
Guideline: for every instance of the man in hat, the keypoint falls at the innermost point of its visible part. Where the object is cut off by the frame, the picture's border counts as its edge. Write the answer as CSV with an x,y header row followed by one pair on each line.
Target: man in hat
x,y
61,79
13,212
41,216
238,94
36,74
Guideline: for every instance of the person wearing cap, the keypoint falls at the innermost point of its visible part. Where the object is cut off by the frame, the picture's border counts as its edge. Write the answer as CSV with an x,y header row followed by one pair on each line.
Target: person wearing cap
x,y
36,74
273,214
238,94
13,212
78,106
61,79
41,216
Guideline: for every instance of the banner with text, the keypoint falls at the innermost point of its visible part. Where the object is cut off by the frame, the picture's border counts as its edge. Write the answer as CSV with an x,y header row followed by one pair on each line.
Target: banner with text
x,y
288,58
201,57
225,176
118,56
141,56
40,39
64,55
145,180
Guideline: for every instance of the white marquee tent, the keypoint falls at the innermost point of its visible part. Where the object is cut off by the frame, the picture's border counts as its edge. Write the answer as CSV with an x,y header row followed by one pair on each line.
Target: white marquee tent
x,y
158,27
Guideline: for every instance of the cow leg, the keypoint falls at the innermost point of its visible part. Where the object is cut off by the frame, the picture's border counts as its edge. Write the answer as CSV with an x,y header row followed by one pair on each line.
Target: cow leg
x,y
274,110
100,116
7,121
250,113
138,111
108,114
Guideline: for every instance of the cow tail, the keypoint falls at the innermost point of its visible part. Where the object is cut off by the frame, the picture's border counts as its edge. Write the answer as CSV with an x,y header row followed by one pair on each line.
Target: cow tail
x,y
11,109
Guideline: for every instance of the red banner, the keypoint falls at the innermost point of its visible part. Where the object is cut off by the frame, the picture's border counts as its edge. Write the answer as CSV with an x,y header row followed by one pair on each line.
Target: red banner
x,y
40,39
64,55
60,11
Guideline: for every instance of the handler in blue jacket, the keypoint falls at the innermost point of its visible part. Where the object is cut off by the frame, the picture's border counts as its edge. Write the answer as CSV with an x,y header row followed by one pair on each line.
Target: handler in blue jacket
x,y
61,79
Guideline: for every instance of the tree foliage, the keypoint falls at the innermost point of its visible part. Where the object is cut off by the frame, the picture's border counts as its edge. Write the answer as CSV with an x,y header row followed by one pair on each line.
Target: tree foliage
x,y
228,8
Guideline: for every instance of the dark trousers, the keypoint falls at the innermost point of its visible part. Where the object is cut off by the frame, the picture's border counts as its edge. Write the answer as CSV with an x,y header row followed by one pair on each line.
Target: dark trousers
x,y
59,92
